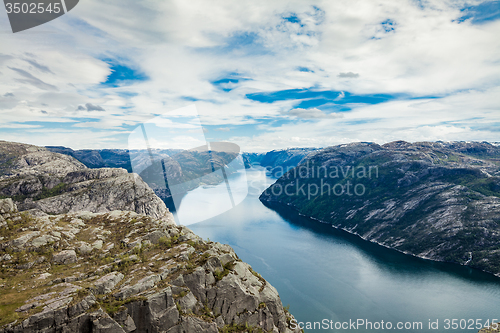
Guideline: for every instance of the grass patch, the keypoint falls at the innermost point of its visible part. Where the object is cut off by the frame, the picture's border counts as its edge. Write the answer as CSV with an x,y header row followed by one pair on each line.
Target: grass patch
x,y
112,305
227,269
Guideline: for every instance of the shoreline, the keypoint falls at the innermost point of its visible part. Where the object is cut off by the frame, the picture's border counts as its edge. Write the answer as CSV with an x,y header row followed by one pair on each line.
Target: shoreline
x,y
270,205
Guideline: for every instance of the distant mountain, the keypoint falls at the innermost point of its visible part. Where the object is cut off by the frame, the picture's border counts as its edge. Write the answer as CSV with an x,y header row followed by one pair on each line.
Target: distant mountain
x,y
111,158
186,168
278,162
435,200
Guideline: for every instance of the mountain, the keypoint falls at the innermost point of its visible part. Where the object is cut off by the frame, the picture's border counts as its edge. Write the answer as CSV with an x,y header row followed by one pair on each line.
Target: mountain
x,y
95,250
125,272
37,179
278,162
434,200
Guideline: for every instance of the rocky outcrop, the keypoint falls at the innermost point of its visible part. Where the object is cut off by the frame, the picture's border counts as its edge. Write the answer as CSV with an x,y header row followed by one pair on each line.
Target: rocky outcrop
x,y
54,183
22,160
434,200
146,275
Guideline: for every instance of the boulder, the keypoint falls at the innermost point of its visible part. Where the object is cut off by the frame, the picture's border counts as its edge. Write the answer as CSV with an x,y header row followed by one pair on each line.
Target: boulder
x,y
7,206
107,283
65,257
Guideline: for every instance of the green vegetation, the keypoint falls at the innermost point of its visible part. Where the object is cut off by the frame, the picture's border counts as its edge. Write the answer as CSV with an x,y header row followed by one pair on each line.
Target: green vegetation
x,y
47,193
219,275
112,305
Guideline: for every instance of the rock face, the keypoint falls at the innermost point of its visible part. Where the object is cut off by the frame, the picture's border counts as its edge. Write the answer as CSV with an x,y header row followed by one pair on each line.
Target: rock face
x,y
54,183
148,275
439,201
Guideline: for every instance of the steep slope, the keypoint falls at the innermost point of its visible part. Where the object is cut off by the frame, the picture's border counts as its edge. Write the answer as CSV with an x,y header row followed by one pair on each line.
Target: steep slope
x,y
125,272
54,183
439,200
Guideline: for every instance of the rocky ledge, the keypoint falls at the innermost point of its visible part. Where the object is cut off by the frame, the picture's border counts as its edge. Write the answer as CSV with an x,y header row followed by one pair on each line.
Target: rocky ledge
x,y
36,178
125,272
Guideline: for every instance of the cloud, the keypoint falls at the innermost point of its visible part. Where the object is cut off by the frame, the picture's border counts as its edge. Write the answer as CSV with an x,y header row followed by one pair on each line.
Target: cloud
x,y
19,126
276,46
90,107
8,95
349,75
4,57
30,79
223,129
312,113
35,64
93,107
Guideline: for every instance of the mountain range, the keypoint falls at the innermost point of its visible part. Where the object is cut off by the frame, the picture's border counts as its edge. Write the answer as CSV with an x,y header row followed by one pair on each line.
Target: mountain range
x,y
434,200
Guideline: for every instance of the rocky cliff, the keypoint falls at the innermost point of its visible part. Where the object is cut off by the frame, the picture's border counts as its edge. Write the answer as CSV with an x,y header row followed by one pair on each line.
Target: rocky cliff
x,y
125,272
95,250
434,200
54,183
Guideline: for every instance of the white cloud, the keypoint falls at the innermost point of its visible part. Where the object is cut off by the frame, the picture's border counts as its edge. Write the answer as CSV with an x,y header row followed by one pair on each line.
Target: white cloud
x,y
312,113
183,46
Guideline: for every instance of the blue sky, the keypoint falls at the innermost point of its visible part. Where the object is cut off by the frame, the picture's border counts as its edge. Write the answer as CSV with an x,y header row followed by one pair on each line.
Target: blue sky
x,y
265,75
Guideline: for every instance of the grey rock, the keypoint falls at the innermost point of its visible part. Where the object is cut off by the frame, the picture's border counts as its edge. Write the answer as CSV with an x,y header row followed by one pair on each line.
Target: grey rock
x,y
125,321
43,240
65,257
142,285
97,244
7,206
193,324
108,282
21,241
225,259
27,265
106,325
84,248
188,303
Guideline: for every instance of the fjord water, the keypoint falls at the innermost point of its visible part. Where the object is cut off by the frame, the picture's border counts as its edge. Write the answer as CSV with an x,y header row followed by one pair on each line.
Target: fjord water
x,y
324,273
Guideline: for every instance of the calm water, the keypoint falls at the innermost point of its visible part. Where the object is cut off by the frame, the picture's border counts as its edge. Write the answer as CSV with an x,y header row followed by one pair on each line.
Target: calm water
x,y
323,273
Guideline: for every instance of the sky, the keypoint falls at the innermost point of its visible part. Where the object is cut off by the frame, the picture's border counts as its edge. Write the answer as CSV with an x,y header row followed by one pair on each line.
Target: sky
x,y
262,74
